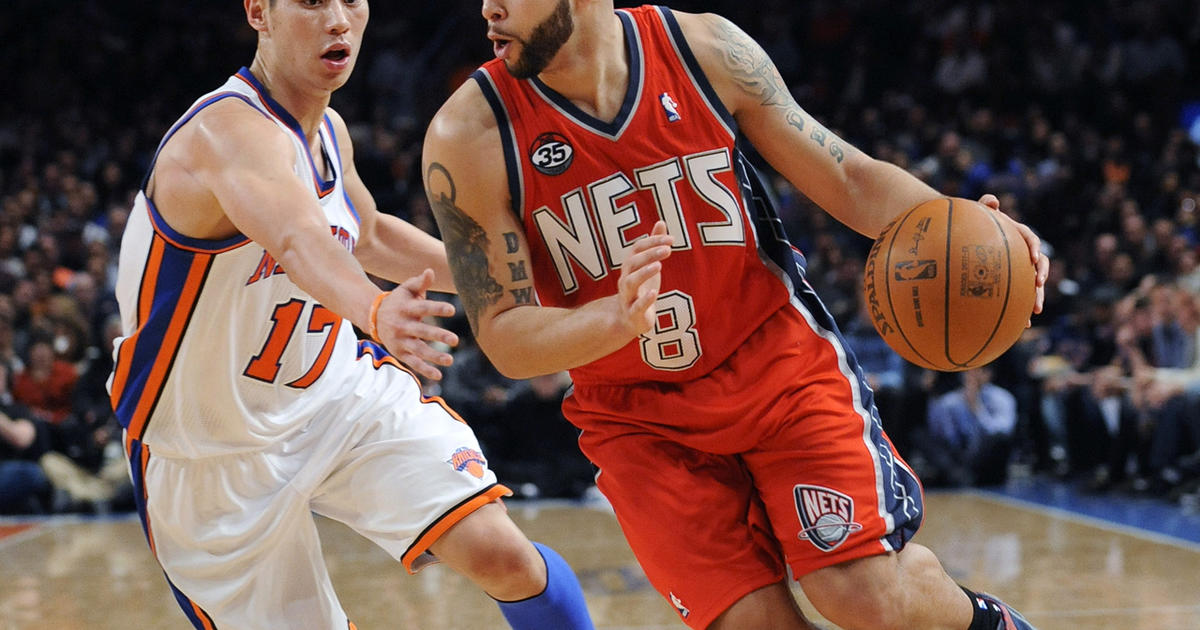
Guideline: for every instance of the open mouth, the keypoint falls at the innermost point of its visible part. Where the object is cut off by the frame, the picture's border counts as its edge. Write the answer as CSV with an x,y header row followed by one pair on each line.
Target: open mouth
x,y
336,54
501,43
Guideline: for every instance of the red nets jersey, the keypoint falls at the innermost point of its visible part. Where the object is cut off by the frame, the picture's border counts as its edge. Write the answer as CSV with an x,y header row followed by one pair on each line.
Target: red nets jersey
x,y
586,189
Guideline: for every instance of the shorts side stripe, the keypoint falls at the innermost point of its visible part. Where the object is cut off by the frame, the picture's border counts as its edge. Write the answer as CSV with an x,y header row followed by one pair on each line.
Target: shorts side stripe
x,y
139,458
900,500
431,534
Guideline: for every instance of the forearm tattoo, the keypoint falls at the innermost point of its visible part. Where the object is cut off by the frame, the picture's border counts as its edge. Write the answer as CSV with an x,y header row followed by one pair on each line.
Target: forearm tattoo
x,y
466,243
754,72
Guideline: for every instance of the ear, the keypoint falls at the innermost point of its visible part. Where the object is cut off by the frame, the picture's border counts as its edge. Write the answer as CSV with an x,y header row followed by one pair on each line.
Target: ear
x,y
256,14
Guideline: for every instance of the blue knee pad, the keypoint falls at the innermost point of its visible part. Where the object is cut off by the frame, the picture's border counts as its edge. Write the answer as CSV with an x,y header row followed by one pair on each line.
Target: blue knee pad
x,y
559,607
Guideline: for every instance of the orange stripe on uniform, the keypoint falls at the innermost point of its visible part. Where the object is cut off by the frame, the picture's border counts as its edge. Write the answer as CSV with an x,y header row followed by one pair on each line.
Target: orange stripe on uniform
x,y
170,344
150,280
388,359
422,544
145,302
143,463
205,620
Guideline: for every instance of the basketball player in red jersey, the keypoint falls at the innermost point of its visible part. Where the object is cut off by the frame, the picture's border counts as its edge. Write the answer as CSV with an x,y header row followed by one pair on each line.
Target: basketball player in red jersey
x,y
600,219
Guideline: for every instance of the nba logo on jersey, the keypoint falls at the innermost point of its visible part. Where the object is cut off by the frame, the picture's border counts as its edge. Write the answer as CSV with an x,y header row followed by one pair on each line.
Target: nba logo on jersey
x,y
669,106
826,516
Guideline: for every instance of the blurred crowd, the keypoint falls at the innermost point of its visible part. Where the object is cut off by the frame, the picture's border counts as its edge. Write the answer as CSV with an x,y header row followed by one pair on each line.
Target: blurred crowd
x,y
1074,114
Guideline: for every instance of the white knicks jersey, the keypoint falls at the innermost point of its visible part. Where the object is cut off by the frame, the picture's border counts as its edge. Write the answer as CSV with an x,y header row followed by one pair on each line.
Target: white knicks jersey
x,y
220,351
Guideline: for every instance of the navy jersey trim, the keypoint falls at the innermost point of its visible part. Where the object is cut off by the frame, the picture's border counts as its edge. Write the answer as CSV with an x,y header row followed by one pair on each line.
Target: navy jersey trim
x,y
694,69
507,140
341,168
633,91
280,112
188,117
190,243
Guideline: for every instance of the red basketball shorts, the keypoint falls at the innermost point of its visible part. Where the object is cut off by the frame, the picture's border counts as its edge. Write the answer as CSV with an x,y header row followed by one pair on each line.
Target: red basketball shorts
x,y
776,459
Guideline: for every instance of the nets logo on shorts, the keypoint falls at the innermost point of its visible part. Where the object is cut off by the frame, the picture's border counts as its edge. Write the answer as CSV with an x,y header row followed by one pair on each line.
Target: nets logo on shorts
x,y
469,460
826,516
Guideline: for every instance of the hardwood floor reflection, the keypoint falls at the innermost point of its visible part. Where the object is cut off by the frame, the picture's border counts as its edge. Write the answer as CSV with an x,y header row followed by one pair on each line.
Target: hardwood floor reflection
x,y
1063,573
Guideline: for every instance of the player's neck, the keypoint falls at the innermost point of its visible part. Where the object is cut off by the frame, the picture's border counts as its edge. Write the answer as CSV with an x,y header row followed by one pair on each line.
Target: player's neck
x,y
592,68
305,105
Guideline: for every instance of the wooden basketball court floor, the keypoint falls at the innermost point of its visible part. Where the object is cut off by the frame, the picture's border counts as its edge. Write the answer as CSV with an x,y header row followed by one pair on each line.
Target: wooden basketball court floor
x,y
1064,572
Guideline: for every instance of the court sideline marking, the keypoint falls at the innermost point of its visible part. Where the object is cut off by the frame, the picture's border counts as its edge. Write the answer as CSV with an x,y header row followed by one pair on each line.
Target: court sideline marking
x,y
1070,515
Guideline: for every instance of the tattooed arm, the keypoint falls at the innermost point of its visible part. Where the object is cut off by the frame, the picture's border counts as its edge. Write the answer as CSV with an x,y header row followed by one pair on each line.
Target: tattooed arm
x,y
467,186
859,191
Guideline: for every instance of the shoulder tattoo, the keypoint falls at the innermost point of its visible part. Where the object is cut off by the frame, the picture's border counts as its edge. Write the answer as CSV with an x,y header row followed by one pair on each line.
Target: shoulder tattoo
x,y
753,71
749,65
466,243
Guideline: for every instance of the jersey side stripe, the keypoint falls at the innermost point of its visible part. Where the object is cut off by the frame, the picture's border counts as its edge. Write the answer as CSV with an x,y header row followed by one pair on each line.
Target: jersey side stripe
x,y
139,459
145,298
158,337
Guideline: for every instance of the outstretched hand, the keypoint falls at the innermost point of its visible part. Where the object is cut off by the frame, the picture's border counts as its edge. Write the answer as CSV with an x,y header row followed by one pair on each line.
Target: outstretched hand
x,y
401,326
1041,263
641,277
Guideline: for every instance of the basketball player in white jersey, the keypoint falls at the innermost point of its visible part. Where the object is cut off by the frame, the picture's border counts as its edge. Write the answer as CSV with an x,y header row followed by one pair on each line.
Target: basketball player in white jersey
x,y
247,400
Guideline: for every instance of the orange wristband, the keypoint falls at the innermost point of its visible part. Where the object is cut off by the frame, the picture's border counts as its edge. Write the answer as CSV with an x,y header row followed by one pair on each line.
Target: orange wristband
x,y
373,316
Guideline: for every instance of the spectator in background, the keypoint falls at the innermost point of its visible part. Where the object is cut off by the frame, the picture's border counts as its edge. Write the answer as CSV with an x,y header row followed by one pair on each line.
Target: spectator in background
x,y
10,356
540,455
47,383
1166,374
474,387
23,439
972,430
886,374
1086,144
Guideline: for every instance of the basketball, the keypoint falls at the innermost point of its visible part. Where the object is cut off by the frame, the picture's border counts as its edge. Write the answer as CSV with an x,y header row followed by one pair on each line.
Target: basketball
x,y
949,286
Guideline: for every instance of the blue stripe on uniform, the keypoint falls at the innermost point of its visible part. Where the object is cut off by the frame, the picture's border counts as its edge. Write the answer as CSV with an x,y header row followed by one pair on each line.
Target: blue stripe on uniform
x,y
137,476
900,491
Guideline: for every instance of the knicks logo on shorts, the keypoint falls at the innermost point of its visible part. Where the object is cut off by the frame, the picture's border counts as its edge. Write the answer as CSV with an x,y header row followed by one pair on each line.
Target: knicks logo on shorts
x,y
469,460
826,516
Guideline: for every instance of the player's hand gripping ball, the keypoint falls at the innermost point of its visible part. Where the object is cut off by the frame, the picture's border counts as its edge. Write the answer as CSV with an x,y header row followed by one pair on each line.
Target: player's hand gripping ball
x,y
949,284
